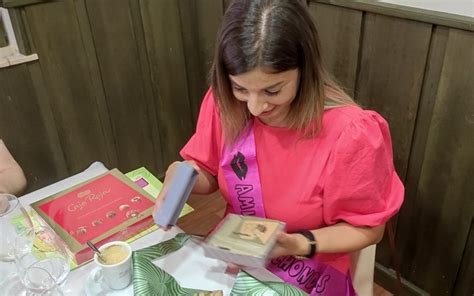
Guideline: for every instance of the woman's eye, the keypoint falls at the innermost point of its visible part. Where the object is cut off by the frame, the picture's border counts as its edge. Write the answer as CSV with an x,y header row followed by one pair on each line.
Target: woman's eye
x,y
272,93
238,89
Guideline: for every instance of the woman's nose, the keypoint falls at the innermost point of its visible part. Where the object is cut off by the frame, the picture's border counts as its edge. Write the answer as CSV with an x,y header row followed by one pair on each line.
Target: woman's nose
x,y
255,105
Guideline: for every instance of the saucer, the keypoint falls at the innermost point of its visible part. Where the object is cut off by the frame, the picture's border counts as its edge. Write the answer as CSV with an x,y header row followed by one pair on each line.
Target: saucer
x,y
95,286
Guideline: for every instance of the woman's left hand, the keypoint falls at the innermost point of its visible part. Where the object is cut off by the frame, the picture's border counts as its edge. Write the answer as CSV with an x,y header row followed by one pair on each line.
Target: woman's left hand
x,y
290,244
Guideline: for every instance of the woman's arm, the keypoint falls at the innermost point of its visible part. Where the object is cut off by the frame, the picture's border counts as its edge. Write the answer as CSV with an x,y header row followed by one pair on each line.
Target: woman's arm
x,y
12,179
205,183
338,238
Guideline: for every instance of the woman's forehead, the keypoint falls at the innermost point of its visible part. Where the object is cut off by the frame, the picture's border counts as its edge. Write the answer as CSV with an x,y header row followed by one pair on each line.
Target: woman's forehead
x,y
259,78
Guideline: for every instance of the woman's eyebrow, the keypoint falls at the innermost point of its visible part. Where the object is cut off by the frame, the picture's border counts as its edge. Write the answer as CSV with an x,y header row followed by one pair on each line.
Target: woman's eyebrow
x,y
270,86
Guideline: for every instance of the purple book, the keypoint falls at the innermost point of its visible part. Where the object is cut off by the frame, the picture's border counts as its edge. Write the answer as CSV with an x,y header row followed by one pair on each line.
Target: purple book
x,y
176,194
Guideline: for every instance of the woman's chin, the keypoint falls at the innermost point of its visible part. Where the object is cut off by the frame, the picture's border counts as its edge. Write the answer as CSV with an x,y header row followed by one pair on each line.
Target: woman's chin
x,y
272,121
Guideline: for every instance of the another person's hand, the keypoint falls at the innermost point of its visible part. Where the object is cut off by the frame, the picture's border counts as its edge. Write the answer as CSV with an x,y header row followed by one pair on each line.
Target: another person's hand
x,y
168,176
4,204
12,178
294,244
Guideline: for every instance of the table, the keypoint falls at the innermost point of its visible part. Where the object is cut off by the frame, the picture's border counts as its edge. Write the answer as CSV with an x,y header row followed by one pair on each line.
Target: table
x,y
188,265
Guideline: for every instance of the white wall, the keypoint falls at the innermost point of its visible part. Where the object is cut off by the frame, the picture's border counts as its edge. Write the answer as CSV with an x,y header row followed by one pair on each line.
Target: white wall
x,y
460,7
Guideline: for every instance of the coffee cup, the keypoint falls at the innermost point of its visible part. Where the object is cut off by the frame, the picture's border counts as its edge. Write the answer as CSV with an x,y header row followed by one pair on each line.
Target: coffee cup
x,y
115,264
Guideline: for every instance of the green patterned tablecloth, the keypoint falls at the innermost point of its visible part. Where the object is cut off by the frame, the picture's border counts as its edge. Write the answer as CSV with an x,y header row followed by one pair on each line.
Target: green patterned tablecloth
x,y
149,279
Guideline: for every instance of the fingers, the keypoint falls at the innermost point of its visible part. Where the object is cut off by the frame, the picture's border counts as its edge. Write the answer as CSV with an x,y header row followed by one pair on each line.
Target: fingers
x,y
168,176
162,195
284,238
194,165
286,244
232,268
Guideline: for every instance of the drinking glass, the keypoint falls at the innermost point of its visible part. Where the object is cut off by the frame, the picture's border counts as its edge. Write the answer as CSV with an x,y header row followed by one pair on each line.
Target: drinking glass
x,y
43,263
13,220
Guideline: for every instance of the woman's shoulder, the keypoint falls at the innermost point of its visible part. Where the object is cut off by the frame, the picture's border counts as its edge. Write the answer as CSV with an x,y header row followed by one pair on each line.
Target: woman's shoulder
x,y
353,121
346,116
209,99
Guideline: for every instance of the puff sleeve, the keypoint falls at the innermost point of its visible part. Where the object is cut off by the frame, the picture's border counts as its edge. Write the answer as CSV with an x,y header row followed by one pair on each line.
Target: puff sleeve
x,y
362,187
204,146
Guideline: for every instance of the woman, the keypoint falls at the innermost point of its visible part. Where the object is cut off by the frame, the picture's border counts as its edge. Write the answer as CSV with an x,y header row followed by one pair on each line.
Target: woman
x,y
281,140
12,179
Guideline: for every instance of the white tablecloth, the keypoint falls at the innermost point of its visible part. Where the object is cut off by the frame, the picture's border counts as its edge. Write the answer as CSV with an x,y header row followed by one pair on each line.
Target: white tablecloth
x,y
188,265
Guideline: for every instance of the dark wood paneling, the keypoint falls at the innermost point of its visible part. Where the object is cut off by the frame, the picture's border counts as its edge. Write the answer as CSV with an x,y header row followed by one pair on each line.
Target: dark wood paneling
x,y
162,27
226,4
147,86
339,33
440,228
465,278
411,210
96,78
73,98
27,126
387,278
199,22
118,55
392,64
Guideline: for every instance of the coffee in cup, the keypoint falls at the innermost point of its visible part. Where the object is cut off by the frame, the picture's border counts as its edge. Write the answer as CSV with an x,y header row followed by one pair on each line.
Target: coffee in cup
x,y
113,254
115,264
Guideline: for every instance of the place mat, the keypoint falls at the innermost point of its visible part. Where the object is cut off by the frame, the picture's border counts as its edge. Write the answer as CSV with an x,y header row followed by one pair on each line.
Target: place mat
x,y
149,279
247,285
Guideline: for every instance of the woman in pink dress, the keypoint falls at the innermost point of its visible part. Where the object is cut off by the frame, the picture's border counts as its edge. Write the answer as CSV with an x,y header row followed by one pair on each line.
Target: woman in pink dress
x,y
280,139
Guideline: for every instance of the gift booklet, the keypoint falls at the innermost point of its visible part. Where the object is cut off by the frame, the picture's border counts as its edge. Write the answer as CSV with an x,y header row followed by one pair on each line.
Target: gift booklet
x,y
243,240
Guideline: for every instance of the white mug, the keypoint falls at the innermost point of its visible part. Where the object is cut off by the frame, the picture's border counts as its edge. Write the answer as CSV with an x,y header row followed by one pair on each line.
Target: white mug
x,y
117,276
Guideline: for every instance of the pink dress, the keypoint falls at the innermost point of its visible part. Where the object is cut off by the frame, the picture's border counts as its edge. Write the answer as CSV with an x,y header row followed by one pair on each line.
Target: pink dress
x,y
345,173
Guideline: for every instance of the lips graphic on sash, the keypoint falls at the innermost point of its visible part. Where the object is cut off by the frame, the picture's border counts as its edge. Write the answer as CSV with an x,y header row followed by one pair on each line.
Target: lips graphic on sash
x,y
239,166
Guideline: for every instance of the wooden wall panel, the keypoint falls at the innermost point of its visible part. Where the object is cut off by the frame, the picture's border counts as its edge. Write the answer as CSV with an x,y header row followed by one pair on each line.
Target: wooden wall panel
x,y
74,101
128,107
226,4
392,65
162,27
339,33
435,242
27,125
465,277
410,211
199,22
148,87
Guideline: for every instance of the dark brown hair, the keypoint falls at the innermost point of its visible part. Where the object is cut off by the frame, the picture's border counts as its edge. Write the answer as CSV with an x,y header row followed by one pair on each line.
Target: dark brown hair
x,y
277,36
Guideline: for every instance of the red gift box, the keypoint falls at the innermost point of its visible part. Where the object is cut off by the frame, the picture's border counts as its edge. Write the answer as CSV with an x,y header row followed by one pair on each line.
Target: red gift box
x,y
106,208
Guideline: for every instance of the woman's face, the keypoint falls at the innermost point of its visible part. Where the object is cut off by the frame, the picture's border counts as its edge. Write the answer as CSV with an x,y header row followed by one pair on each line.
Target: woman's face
x,y
268,95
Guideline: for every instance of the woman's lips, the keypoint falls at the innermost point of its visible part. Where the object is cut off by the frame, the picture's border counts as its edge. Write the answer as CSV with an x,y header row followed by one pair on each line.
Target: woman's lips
x,y
266,113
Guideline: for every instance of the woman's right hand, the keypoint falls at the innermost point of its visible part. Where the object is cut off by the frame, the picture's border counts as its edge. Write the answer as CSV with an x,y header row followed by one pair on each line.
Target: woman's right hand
x,y
168,176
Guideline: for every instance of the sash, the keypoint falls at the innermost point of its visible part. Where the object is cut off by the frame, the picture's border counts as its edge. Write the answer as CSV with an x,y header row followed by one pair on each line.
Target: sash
x,y
239,164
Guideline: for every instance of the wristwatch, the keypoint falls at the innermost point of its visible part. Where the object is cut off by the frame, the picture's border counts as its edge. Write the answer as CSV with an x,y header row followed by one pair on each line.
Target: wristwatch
x,y
312,242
